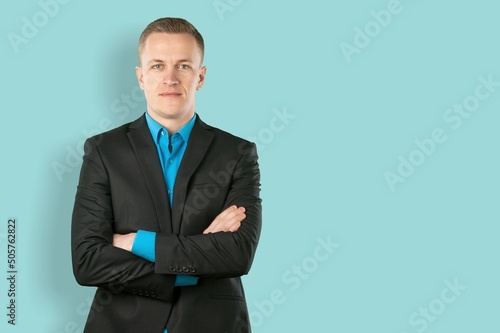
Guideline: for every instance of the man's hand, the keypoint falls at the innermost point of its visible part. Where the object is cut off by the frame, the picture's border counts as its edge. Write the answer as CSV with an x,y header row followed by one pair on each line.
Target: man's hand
x,y
124,242
228,220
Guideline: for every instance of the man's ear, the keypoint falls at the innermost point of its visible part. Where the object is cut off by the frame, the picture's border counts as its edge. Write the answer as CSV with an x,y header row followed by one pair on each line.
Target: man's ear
x,y
140,76
201,77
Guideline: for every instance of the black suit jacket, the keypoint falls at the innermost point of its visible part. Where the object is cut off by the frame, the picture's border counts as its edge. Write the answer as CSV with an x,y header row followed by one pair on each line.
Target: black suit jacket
x,y
122,190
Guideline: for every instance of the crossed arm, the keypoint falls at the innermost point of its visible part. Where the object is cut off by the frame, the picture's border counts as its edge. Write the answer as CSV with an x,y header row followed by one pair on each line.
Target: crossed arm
x,y
227,221
98,252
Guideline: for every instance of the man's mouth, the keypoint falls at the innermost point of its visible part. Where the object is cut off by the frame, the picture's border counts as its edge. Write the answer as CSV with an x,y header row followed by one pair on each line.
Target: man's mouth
x,y
170,94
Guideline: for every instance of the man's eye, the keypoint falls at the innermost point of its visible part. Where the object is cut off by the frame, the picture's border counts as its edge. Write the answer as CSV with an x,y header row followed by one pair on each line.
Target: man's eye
x,y
184,67
157,66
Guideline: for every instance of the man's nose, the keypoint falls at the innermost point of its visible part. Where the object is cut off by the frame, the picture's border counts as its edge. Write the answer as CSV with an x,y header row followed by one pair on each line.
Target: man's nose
x,y
170,77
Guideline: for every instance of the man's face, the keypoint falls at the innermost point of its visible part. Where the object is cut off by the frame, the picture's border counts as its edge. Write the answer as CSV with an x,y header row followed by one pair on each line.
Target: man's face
x,y
170,74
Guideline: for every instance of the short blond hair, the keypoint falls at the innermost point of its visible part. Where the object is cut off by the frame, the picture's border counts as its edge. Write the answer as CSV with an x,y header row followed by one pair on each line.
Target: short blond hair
x,y
171,25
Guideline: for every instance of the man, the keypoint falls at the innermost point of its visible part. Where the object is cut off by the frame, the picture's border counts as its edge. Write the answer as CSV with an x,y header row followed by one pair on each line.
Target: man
x,y
167,214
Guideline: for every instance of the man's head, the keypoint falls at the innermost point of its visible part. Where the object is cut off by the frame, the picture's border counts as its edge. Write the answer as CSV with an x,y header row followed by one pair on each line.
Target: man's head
x,y
170,57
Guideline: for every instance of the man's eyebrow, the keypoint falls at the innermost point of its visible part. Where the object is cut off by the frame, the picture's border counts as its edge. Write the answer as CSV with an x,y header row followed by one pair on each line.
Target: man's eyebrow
x,y
161,61
154,60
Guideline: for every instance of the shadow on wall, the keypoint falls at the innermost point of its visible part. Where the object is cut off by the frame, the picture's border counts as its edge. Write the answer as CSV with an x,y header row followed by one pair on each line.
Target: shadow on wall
x,y
120,101
117,71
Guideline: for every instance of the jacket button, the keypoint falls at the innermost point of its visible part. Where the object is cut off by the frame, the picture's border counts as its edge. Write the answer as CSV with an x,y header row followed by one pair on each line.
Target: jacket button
x,y
146,293
171,268
133,291
153,294
185,269
192,269
140,293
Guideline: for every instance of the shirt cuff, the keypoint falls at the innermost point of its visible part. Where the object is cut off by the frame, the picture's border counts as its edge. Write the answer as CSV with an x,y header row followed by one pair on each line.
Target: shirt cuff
x,y
186,280
144,245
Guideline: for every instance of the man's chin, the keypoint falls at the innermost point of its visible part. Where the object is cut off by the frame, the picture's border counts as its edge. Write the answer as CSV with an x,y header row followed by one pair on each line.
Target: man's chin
x,y
171,113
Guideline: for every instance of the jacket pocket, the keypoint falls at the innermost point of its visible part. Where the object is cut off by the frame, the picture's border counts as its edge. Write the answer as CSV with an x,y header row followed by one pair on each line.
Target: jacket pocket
x,y
227,289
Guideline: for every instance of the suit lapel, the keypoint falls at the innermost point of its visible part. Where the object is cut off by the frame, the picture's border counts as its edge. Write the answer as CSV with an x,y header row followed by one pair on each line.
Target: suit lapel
x,y
147,155
199,141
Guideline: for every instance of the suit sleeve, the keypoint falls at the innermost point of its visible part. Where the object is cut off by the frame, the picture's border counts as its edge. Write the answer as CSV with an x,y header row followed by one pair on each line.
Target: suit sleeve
x,y
222,254
96,262
144,247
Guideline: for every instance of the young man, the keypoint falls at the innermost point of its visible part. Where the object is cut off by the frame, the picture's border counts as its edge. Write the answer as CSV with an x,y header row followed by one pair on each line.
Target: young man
x,y
167,214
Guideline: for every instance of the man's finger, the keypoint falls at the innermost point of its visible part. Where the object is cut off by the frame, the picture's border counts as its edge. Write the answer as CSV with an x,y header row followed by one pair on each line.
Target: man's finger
x,y
226,220
235,227
226,211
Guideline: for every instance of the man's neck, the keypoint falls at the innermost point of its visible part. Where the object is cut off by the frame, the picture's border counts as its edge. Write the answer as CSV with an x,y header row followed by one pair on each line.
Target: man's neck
x,y
172,125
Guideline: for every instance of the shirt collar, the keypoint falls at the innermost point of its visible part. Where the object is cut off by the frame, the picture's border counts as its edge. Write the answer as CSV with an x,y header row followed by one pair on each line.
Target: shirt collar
x,y
156,129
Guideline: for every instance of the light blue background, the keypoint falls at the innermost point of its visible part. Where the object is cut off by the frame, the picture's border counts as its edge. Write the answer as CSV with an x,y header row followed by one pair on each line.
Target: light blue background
x,y
322,173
